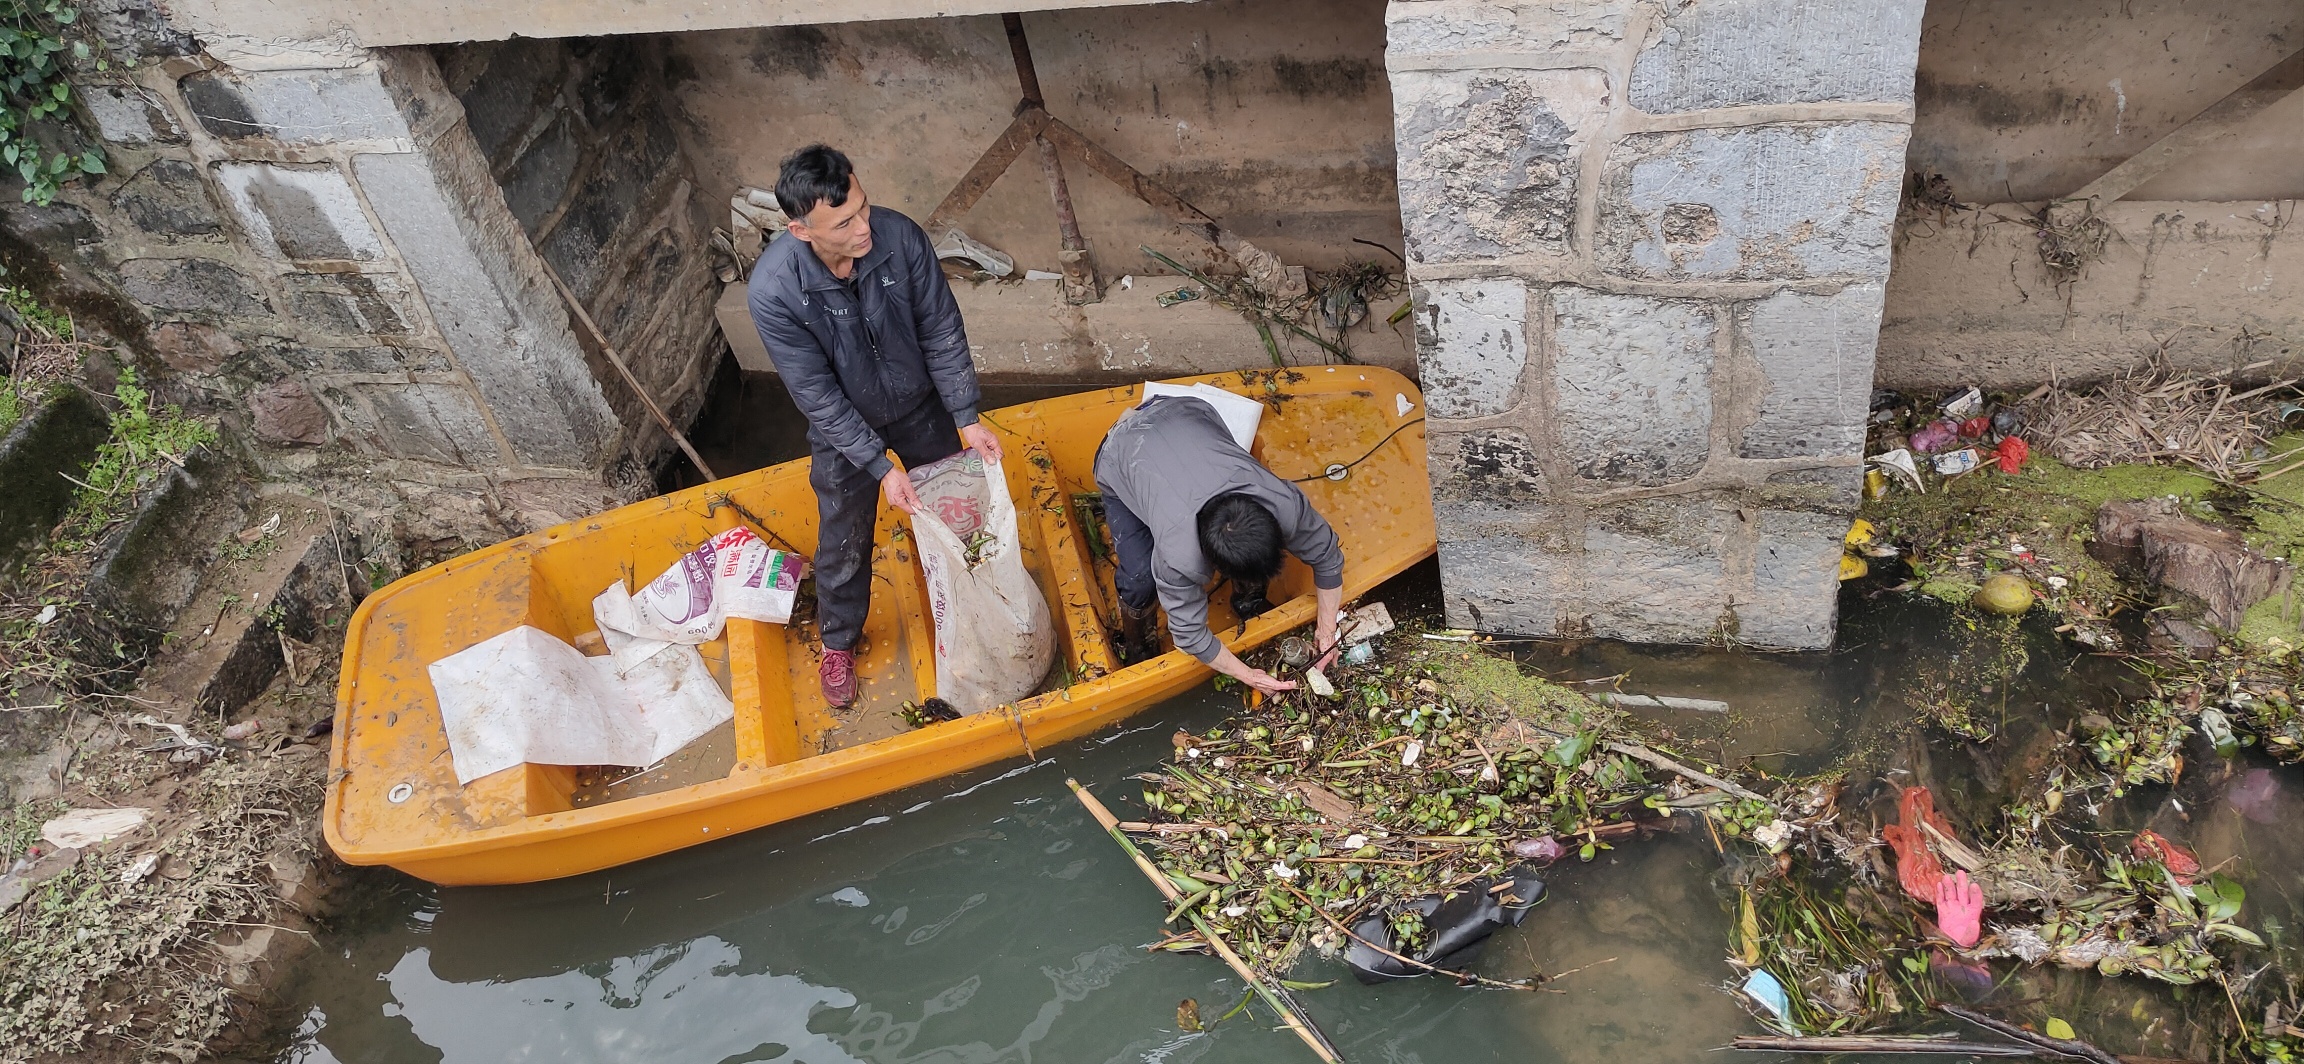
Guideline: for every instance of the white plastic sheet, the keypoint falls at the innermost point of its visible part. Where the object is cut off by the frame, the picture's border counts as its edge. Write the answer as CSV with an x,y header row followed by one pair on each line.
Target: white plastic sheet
x,y
527,697
1241,414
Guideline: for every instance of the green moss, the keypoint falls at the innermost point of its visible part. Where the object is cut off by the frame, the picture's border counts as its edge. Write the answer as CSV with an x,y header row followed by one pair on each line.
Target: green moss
x,y
1951,589
2272,623
1480,677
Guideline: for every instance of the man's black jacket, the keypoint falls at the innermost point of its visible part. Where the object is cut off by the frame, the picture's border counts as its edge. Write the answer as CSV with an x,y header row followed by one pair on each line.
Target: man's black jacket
x,y
856,363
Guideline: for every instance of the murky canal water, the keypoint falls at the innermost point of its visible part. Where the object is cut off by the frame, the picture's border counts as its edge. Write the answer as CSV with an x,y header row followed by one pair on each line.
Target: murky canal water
x,y
985,918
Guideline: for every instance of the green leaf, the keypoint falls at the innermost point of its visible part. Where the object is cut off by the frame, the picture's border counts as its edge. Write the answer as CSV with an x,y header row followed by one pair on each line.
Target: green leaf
x,y
2059,1029
1293,984
1570,752
2235,933
91,163
2220,897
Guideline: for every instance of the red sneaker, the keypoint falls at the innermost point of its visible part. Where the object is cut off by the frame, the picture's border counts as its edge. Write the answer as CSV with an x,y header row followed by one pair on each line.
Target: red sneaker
x,y
838,675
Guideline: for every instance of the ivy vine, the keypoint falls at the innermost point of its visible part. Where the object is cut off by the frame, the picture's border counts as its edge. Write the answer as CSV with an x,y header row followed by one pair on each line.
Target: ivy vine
x,y
33,93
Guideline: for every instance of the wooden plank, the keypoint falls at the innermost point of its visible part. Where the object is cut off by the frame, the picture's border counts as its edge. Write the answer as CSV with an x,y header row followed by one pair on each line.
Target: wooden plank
x,y
2220,119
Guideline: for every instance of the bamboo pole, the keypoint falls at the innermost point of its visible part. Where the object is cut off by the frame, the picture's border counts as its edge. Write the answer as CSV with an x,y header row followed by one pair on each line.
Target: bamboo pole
x,y
1168,890
1880,1044
584,318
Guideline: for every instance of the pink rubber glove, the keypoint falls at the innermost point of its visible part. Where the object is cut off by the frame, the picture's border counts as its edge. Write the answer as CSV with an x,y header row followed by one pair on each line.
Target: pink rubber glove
x,y
1959,908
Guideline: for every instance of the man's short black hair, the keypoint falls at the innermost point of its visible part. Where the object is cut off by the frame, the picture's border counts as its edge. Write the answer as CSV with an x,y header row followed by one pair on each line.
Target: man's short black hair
x,y
815,174
1241,538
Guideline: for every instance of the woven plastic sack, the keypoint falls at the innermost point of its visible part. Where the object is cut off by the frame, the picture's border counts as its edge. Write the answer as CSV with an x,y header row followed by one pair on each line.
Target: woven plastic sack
x,y
994,638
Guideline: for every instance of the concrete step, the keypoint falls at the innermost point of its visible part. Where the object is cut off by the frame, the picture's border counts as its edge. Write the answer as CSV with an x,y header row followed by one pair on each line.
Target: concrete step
x,y
264,588
148,569
39,455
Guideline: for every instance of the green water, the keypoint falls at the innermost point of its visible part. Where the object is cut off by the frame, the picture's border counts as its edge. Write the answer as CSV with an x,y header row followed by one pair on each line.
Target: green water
x,y
985,918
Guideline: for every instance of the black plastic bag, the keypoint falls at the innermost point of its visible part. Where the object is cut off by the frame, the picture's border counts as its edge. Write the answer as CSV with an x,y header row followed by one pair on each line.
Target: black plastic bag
x,y
1454,927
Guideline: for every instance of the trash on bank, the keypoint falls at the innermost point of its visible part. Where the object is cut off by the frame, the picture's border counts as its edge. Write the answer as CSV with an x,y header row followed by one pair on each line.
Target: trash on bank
x,y
1954,463
81,828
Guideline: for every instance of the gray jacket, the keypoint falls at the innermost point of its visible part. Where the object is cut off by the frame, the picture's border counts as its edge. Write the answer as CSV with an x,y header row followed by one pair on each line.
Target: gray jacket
x,y
1165,461
856,363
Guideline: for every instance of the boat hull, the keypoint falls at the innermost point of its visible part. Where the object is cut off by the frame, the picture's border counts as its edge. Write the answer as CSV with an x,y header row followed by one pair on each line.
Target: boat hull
x,y
392,802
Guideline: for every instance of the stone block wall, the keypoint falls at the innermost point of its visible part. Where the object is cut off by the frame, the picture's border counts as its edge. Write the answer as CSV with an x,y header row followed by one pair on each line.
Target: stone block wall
x,y
317,249
1648,241
583,137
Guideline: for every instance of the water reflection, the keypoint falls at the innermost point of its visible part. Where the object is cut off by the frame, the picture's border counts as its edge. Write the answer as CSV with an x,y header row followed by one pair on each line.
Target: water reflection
x,y
985,918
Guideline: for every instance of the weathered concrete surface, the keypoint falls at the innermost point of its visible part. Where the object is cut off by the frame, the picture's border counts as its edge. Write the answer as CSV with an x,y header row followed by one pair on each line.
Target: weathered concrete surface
x,y
1472,339
1759,203
2020,101
304,213
1669,447
1273,116
1969,301
1734,53
580,137
1488,163
1024,332
251,24
148,568
1633,378
1815,357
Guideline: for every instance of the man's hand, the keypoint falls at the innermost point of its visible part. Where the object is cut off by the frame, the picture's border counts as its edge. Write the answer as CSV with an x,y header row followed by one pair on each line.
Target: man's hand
x,y
1265,682
896,487
981,438
1230,665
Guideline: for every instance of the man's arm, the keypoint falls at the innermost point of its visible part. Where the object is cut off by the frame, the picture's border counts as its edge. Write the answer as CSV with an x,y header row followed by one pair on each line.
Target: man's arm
x,y
807,373
1187,609
1313,541
943,337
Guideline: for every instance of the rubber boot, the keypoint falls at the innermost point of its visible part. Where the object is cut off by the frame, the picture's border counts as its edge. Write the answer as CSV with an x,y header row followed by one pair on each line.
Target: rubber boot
x,y
1138,641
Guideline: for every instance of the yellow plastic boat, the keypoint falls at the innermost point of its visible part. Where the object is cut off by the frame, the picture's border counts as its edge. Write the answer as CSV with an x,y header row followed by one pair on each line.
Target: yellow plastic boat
x,y
393,797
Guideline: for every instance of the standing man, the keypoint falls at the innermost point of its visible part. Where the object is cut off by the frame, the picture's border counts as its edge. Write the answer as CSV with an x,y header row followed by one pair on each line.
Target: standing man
x,y
863,328
1187,503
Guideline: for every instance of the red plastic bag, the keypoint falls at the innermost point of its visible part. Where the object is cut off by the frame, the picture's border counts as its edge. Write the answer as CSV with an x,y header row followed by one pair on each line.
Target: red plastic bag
x,y
2150,845
2013,453
1917,869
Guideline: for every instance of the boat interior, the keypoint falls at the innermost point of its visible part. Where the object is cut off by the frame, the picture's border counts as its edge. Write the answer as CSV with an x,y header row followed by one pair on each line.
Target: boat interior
x,y
549,579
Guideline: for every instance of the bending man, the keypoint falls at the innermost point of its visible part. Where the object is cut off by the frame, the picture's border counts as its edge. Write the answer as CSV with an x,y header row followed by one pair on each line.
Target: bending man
x,y
1186,503
862,326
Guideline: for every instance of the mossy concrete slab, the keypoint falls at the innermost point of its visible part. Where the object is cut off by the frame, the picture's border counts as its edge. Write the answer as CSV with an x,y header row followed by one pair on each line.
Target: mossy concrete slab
x,y
148,569
55,441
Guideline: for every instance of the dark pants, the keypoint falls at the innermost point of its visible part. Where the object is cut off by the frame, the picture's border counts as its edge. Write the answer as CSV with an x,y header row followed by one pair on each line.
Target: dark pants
x,y
1131,554
848,511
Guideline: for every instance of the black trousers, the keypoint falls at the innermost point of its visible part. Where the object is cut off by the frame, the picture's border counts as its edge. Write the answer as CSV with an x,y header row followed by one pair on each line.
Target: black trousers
x,y
1131,554
848,511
